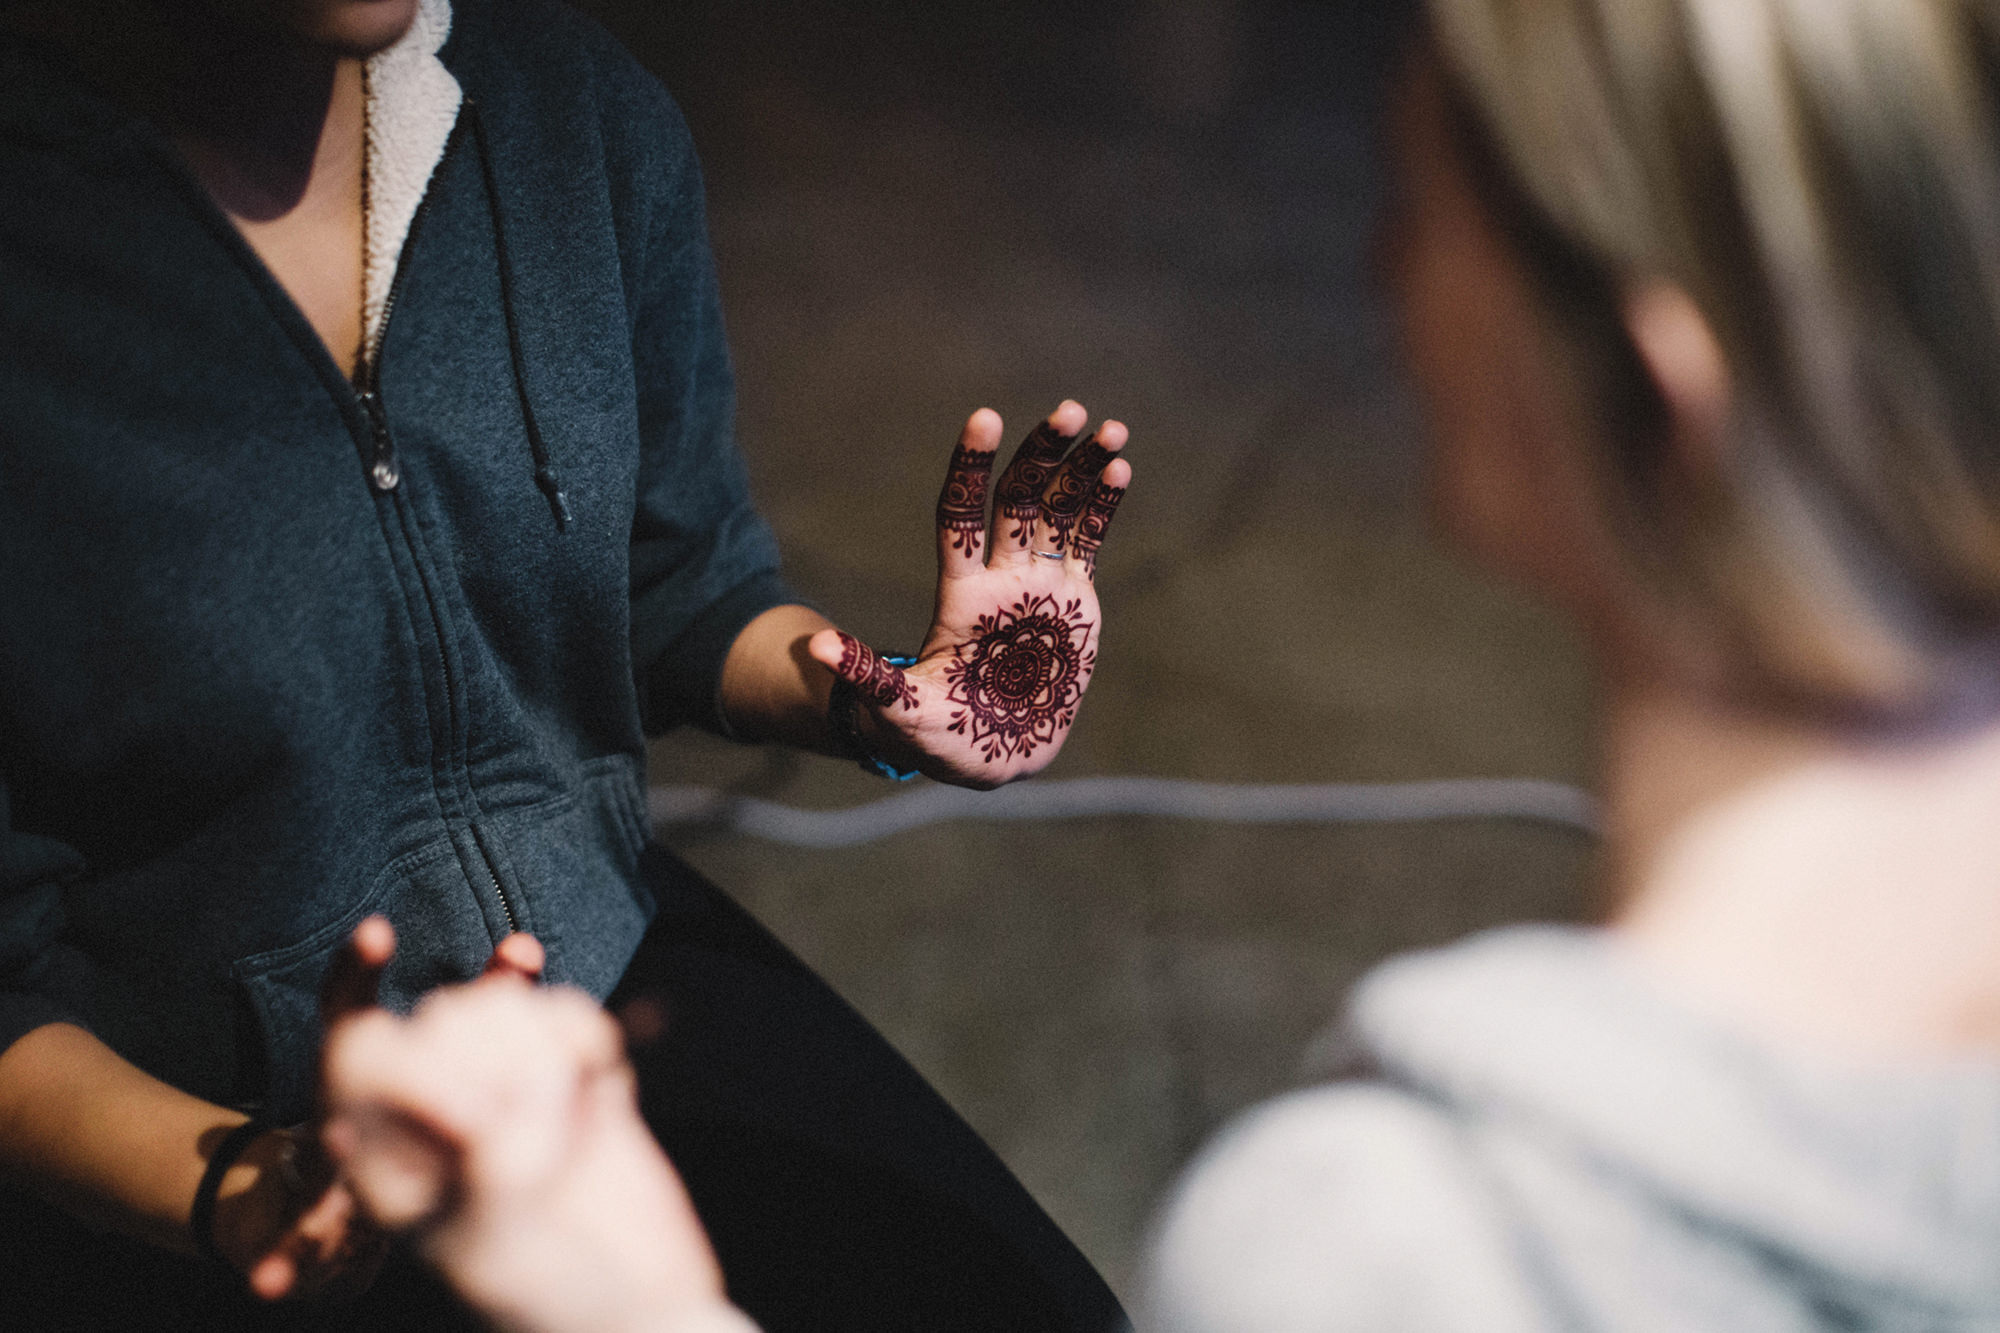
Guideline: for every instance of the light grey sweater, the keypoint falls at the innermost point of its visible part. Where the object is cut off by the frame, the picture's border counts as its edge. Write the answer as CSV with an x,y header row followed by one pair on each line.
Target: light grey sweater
x,y
1538,1139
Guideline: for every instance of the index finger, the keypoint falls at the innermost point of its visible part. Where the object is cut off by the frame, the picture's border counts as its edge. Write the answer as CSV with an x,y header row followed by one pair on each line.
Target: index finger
x,y
355,977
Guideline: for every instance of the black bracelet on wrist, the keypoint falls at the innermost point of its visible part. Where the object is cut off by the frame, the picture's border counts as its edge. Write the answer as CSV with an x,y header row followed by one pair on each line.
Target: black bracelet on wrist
x,y
201,1218
840,718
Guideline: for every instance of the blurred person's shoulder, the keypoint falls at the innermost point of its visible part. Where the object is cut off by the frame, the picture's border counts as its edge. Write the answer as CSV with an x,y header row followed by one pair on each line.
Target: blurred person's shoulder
x,y
1537,1131
1353,1205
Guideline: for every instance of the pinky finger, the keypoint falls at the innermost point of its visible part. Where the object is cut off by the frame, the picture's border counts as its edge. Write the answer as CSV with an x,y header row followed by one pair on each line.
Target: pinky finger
x,y
1095,520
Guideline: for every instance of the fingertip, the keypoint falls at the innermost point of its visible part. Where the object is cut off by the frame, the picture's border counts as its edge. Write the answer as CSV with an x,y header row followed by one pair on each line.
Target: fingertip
x,y
1069,417
527,952
272,1276
982,430
1117,474
826,648
374,941
1113,435
519,954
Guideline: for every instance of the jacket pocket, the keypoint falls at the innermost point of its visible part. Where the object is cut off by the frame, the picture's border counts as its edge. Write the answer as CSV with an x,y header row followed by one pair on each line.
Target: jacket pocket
x,y
575,863
441,937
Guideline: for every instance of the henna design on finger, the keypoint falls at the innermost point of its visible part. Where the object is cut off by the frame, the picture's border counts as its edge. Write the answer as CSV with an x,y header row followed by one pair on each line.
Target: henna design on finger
x,y
961,507
1027,475
1065,496
875,680
1095,520
1018,680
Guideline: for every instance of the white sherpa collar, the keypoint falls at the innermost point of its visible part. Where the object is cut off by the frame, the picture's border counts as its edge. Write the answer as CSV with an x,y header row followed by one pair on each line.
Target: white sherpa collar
x,y
413,102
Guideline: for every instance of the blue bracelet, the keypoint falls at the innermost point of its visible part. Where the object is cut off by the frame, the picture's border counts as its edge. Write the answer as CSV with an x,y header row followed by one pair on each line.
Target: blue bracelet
x,y
840,706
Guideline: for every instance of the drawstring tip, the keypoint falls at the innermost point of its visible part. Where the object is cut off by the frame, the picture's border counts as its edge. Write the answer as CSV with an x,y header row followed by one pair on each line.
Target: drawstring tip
x,y
551,486
545,476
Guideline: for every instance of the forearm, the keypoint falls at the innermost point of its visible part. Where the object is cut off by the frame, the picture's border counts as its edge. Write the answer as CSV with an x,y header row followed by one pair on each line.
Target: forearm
x,y
772,689
104,1140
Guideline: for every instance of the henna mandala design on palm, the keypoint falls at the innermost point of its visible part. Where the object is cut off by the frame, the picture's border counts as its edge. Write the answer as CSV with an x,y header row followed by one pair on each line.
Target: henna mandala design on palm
x,y
961,507
1027,475
1018,680
1012,645
880,683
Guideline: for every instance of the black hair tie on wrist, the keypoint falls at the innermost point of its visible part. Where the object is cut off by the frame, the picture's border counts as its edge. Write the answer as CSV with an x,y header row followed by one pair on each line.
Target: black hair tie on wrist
x,y
201,1218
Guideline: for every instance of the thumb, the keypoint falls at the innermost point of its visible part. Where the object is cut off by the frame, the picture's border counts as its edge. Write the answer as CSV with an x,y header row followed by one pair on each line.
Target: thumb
x,y
875,680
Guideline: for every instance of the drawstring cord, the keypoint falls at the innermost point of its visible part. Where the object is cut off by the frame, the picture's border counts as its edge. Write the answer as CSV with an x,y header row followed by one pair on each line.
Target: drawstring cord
x,y
546,479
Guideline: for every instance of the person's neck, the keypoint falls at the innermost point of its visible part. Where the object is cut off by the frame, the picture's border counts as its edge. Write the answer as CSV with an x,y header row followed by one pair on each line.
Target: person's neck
x,y
1840,888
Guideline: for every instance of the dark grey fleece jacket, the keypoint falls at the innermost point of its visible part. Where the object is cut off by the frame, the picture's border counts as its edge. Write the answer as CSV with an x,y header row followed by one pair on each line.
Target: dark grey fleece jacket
x,y
249,692
1538,1139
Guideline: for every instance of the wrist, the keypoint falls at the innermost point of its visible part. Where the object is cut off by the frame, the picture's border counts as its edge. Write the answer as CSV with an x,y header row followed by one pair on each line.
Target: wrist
x,y
256,1198
883,741
859,732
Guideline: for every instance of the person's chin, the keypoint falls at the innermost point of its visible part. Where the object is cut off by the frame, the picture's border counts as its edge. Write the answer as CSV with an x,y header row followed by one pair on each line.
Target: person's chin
x,y
357,28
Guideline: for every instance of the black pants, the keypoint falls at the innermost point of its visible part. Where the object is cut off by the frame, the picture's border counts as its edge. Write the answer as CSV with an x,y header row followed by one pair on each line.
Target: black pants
x,y
840,1191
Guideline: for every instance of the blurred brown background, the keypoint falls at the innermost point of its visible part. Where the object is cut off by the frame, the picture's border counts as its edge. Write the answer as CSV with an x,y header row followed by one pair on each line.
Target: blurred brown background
x,y
1161,208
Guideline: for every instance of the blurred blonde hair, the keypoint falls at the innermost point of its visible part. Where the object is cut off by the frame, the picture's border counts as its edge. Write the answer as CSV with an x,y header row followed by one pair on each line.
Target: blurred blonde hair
x,y
1822,177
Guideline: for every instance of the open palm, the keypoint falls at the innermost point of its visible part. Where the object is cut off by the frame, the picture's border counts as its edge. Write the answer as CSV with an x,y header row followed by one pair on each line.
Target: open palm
x,y
1013,640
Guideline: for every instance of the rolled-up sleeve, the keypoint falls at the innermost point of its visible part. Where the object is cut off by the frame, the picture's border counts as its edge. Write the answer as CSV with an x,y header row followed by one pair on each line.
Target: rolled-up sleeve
x,y
704,562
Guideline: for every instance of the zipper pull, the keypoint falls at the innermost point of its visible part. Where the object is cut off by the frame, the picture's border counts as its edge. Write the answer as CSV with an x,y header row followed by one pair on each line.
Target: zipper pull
x,y
383,473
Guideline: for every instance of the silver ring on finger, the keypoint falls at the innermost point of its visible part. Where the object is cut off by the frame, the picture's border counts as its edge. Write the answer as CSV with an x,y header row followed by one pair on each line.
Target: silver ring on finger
x,y
1050,555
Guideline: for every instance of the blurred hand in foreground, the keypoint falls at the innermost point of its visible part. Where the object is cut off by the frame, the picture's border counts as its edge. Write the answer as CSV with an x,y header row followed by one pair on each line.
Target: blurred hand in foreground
x,y
499,1125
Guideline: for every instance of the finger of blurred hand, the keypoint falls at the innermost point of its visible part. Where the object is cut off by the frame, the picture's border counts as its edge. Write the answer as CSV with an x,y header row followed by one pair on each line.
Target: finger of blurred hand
x,y
355,977
330,1248
1018,500
400,1168
519,955
272,1277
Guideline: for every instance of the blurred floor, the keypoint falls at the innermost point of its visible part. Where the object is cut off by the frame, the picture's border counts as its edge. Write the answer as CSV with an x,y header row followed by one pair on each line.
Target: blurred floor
x,y
1160,208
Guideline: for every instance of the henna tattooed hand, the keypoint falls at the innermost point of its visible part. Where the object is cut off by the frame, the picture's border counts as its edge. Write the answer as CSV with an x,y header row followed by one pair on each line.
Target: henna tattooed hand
x,y
1013,640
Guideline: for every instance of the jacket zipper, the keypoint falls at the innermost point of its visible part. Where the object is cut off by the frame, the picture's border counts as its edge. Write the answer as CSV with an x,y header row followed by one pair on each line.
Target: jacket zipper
x,y
385,472
499,894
